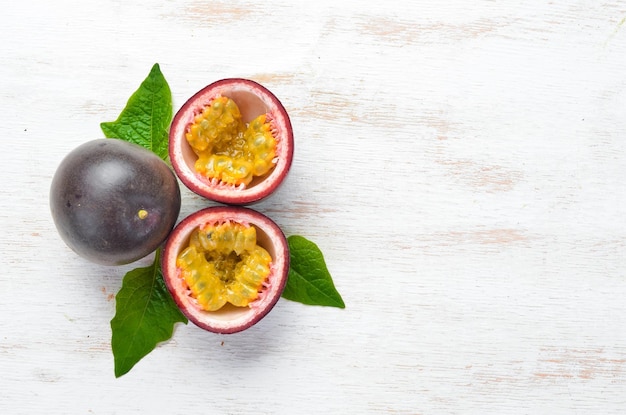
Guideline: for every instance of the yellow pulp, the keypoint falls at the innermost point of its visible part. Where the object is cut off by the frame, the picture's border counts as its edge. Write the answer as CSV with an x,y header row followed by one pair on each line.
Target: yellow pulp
x,y
223,264
227,149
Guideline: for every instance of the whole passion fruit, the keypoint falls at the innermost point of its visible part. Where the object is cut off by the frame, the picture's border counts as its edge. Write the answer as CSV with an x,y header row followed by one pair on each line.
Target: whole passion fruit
x,y
226,267
232,142
114,202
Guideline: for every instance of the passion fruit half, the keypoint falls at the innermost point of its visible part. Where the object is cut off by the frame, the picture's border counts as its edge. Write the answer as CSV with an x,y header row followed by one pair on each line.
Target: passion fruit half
x,y
114,202
226,267
232,142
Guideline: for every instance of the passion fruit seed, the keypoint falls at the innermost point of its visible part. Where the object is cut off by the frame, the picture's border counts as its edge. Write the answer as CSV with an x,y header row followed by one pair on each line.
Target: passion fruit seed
x,y
223,264
227,149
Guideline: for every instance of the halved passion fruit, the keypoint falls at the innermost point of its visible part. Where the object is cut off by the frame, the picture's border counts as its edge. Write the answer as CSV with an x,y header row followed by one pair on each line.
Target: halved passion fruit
x,y
232,142
226,267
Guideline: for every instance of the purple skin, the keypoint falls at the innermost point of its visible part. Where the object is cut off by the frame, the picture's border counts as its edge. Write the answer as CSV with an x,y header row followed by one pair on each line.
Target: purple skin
x,y
114,202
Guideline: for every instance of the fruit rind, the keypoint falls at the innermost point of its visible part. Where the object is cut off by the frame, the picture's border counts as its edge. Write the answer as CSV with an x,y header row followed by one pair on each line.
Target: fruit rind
x,y
253,100
229,319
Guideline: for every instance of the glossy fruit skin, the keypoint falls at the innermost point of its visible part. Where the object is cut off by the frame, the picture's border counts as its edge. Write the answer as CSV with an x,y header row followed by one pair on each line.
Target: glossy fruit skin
x,y
230,320
253,100
114,202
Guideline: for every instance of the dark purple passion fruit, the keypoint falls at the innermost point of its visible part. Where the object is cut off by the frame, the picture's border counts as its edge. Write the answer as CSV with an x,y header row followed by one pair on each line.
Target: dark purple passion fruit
x,y
219,288
232,142
114,202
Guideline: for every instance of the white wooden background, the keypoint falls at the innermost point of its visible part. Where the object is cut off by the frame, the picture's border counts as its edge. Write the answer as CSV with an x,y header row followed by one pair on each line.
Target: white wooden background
x,y
461,164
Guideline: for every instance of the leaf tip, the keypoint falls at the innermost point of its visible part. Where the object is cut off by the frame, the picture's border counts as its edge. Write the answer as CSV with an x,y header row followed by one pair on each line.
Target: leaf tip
x,y
156,70
105,127
121,367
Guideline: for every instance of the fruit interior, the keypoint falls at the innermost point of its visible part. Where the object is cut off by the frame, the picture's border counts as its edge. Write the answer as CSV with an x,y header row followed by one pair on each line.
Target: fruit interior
x,y
223,267
231,150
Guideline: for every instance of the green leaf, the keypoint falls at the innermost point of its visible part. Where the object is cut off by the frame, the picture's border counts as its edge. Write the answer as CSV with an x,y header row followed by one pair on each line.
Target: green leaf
x,y
309,281
146,118
145,314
